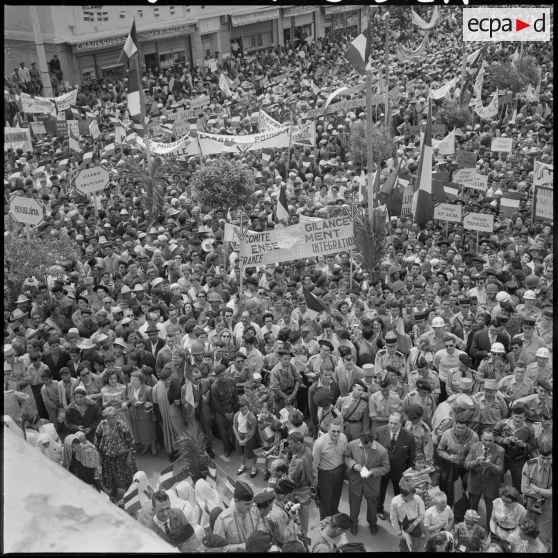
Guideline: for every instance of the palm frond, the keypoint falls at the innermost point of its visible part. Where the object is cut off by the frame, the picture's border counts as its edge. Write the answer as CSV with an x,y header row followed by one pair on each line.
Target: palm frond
x,y
192,456
370,247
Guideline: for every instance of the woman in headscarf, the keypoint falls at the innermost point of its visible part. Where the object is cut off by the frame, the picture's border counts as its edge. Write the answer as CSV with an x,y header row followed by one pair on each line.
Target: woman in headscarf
x,y
469,535
82,459
145,491
140,401
115,444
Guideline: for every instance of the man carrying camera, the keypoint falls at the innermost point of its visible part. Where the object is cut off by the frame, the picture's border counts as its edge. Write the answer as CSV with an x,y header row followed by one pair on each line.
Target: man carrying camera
x,y
536,485
518,440
279,512
300,472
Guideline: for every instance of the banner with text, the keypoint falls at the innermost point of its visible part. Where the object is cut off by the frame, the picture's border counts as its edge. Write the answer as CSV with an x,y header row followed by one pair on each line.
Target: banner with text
x,y
448,212
17,138
212,144
543,175
304,240
543,203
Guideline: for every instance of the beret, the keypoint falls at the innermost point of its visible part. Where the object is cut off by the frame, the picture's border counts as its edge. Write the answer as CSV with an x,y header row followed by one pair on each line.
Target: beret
x,y
414,411
243,492
544,384
264,498
323,397
284,486
423,384
386,382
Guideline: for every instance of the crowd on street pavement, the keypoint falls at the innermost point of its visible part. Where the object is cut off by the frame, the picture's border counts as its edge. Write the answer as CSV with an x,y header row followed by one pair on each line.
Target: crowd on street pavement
x,y
428,377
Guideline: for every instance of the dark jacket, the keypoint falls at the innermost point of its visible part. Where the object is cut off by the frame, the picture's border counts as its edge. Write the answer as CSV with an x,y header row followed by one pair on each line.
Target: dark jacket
x,y
484,478
403,455
63,359
480,346
376,461
90,419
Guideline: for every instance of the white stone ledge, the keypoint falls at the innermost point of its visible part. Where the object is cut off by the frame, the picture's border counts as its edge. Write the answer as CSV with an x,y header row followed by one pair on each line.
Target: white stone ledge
x,y
47,509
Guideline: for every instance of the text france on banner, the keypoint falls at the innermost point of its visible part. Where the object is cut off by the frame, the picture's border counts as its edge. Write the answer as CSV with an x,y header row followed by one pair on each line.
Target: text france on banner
x,y
179,148
304,240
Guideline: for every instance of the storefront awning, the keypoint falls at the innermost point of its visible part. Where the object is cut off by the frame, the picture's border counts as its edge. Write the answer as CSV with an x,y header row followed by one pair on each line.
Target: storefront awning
x,y
299,10
328,10
247,19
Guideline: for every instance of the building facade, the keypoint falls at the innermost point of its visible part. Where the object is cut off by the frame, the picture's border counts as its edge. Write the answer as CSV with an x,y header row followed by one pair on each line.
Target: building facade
x,y
88,40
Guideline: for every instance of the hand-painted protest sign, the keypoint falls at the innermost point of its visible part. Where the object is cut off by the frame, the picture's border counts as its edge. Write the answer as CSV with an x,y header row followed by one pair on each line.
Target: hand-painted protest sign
x,y
448,212
17,138
479,183
504,145
199,102
304,240
543,175
215,143
27,210
304,134
465,176
543,203
482,222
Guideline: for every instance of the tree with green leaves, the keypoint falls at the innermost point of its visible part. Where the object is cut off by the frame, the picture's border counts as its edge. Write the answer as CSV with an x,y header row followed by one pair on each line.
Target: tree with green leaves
x,y
223,183
514,77
454,115
37,257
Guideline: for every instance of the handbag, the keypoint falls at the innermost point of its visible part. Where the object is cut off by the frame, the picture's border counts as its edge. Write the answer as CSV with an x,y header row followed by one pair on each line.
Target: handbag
x,y
416,532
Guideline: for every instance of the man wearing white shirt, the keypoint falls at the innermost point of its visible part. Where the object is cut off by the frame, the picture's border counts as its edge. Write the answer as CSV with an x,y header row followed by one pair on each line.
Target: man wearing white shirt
x,y
244,322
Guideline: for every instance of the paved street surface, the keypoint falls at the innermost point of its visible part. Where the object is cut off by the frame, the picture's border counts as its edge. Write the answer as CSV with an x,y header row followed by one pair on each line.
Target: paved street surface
x,y
384,541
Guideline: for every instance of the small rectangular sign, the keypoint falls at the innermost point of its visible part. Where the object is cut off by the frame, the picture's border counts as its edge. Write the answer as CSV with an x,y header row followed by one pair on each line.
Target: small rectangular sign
x,y
482,222
504,145
448,212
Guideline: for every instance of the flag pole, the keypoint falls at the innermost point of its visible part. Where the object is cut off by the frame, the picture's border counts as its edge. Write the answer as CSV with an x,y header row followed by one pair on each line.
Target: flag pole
x,y
370,151
386,62
463,67
142,105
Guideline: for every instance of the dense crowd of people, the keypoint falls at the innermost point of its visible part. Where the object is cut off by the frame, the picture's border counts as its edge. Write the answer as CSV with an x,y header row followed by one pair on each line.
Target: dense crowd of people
x,y
433,371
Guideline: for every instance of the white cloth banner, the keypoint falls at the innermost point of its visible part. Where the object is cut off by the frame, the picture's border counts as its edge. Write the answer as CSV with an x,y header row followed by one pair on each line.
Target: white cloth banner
x,y
46,105
445,146
183,146
17,138
304,240
224,85
419,22
488,111
266,122
213,144
441,92
37,105
304,134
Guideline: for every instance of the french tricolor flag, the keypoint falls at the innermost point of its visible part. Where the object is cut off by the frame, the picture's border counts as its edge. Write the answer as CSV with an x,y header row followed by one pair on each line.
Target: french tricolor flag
x,y
358,52
422,206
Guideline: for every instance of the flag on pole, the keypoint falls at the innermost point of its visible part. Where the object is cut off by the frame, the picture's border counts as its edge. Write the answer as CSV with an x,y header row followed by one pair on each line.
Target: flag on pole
x,y
108,151
389,184
72,136
421,206
314,305
358,52
419,22
131,502
134,101
94,129
168,478
225,85
130,46
119,135
472,58
282,210
345,90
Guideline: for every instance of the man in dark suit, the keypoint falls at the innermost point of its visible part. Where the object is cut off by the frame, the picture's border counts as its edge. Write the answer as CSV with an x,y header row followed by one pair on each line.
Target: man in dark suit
x,y
485,338
365,453
401,449
57,358
200,412
154,343
169,523
485,463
